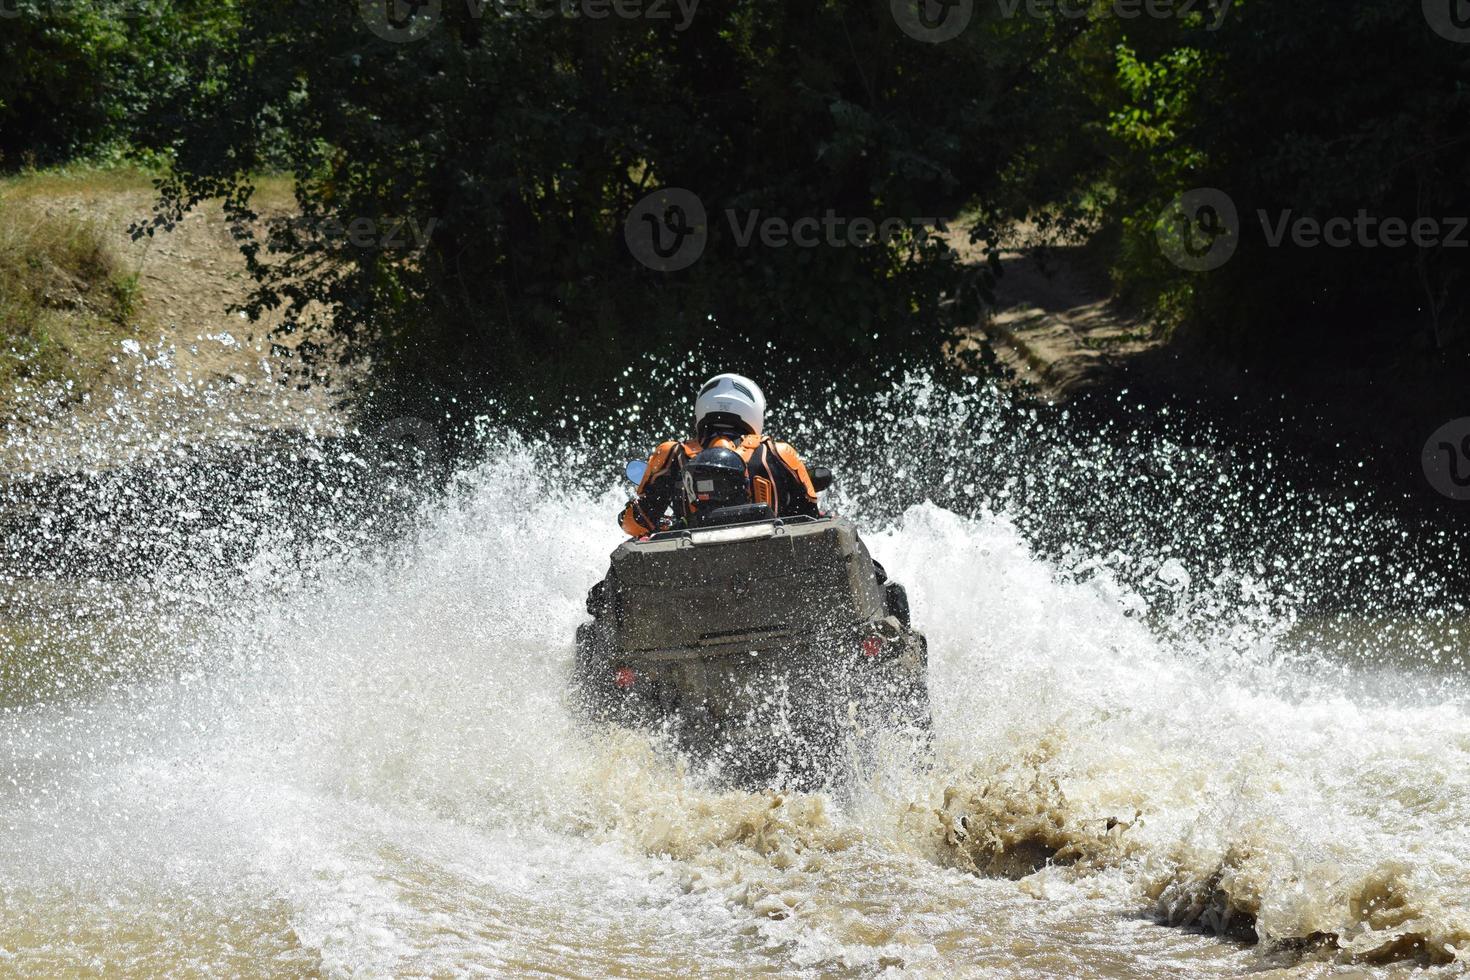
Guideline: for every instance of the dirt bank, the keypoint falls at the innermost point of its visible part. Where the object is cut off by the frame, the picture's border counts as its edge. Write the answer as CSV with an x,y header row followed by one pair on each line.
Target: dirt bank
x,y
185,370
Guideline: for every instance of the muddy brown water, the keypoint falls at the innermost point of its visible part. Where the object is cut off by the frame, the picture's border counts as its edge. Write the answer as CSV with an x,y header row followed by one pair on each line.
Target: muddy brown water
x,y
373,770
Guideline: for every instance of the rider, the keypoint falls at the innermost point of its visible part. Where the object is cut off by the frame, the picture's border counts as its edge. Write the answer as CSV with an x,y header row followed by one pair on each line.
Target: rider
x,y
730,414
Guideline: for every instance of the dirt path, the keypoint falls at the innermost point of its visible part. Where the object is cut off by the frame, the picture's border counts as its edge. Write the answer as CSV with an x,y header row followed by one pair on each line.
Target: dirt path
x,y
192,372
1054,324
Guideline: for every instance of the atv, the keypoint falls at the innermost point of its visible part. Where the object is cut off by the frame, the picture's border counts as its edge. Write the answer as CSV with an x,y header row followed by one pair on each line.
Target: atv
x,y
769,647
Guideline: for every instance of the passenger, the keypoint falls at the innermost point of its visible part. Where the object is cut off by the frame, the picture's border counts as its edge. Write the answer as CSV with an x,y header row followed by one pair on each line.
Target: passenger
x,y
729,414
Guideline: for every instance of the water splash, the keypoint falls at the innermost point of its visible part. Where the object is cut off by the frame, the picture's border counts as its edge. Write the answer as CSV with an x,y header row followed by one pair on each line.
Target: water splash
x,y
339,756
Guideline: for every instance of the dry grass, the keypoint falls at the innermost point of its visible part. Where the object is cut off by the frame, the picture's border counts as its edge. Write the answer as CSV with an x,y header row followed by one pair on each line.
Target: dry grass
x,y
271,190
56,181
65,302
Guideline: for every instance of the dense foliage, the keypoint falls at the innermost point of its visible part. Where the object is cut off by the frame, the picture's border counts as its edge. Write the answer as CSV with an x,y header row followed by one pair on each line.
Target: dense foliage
x,y
523,143
1306,110
464,189
77,78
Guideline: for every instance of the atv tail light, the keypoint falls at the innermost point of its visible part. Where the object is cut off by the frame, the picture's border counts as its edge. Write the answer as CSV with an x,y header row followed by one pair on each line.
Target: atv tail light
x,y
872,646
624,678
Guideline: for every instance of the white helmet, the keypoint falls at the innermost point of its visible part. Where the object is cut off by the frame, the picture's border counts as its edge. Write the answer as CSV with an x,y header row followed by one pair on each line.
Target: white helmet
x,y
733,400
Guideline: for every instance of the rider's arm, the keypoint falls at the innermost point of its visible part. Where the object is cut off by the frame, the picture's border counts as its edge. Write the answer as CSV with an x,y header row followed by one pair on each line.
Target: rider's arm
x,y
799,497
655,494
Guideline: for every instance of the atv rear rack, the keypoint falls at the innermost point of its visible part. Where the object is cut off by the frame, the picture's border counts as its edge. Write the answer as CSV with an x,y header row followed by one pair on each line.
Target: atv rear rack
x,y
728,532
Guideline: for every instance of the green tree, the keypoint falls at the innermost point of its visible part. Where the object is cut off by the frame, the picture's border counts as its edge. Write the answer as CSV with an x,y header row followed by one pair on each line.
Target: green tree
x,y
75,76
527,140
1322,111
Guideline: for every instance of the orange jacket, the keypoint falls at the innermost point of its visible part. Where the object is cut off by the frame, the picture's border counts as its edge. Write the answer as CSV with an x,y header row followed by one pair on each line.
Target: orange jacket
x,y
777,477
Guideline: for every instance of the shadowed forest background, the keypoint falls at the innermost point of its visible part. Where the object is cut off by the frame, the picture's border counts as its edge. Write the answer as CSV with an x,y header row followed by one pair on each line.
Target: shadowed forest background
x,y
515,146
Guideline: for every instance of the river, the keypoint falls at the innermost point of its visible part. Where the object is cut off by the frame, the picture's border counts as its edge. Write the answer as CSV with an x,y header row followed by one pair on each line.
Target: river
x,y
1149,760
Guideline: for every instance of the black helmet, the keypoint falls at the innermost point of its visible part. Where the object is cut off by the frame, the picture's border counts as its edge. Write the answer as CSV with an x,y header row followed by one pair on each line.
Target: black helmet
x,y
716,478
